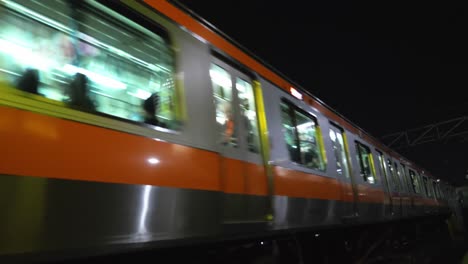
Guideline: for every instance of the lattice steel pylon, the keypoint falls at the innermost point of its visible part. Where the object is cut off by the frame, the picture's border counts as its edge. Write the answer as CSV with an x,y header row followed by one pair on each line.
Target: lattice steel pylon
x,y
454,128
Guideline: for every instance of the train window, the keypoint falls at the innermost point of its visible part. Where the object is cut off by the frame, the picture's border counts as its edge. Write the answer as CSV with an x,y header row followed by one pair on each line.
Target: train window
x,y
222,89
414,181
364,156
248,114
94,60
302,135
337,137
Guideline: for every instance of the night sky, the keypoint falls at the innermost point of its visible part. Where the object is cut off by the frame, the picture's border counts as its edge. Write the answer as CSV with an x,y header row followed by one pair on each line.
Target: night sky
x,y
385,66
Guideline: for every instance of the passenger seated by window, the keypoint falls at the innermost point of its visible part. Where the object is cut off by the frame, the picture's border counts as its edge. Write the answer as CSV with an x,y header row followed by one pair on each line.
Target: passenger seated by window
x,y
314,161
29,81
79,93
150,106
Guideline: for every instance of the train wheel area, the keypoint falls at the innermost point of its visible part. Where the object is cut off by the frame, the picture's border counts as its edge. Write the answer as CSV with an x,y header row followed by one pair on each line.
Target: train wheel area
x,y
429,242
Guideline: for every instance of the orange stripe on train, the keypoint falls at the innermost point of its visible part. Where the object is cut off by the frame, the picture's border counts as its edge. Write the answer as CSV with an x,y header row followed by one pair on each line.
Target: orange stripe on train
x,y
45,146
299,184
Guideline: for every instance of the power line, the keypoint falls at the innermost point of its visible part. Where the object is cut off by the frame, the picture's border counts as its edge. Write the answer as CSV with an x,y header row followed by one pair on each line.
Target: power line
x,y
441,131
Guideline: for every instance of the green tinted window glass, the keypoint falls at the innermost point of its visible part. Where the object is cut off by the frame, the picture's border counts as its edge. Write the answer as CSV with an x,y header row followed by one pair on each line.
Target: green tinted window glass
x,y
102,62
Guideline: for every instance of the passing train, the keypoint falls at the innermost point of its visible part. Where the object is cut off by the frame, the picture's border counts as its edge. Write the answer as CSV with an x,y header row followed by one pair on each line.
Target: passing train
x,y
127,123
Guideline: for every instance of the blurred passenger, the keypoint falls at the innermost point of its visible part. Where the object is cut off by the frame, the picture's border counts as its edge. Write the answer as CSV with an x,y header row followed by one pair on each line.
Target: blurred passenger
x,y
150,105
229,132
249,128
79,93
29,81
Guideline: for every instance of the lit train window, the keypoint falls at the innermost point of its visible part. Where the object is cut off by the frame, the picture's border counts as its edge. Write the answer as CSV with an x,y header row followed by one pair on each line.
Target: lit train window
x,y
222,91
89,58
337,137
248,114
301,133
364,156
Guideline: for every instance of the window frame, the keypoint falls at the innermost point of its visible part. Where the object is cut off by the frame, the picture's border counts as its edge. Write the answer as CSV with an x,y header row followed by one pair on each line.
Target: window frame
x,y
293,109
150,28
358,144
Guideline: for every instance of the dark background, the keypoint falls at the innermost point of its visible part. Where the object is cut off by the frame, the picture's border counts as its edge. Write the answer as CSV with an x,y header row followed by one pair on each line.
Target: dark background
x,y
388,67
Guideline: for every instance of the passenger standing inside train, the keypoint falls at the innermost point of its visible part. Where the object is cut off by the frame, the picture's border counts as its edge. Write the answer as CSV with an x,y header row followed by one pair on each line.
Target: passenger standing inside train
x,y
29,81
150,105
79,93
248,126
228,134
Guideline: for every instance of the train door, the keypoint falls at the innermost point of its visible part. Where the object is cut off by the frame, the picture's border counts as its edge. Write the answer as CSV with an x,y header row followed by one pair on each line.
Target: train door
x,y
243,175
343,170
417,188
388,194
395,188
407,183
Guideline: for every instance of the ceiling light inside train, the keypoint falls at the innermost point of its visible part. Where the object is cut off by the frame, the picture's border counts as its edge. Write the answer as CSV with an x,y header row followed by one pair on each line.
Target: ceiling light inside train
x,y
153,161
220,79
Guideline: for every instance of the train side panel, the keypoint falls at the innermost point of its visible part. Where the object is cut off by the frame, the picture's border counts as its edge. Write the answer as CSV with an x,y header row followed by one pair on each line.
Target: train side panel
x,y
76,180
302,197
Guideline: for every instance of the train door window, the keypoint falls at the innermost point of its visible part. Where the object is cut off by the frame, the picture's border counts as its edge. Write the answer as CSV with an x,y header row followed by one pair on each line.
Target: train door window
x,y
222,91
422,184
337,137
404,176
441,192
394,176
432,188
414,181
302,136
366,164
88,63
436,192
426,191
383,168
400,179
248,114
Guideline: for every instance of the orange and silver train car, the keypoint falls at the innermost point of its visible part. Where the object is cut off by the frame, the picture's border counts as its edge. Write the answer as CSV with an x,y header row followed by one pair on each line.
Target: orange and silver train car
x,y
129,122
